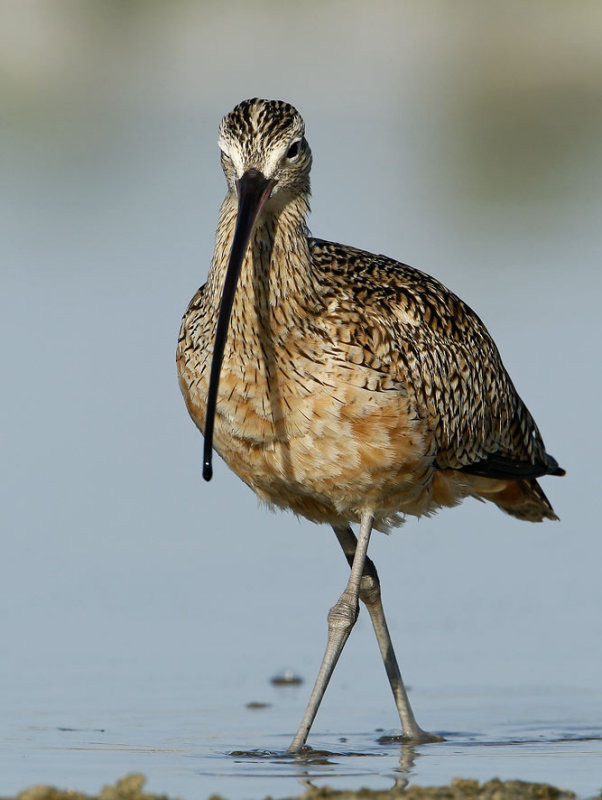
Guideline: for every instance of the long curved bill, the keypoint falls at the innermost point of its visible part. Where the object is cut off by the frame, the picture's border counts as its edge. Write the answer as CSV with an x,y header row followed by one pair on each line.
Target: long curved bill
x,y
253,192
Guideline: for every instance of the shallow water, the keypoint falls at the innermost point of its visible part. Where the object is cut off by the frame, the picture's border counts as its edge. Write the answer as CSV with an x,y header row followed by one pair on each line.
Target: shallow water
x,y
544,736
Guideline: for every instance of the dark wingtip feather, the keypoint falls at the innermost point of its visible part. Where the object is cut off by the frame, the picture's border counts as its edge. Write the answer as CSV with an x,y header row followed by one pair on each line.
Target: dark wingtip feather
x,y
496,465
553,467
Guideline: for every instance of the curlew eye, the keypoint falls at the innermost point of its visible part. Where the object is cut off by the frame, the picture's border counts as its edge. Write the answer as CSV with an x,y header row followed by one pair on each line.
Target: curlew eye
x,y
293,152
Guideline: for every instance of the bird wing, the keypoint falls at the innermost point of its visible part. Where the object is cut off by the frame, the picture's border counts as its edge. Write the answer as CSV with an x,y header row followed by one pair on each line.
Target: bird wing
x,y
441,351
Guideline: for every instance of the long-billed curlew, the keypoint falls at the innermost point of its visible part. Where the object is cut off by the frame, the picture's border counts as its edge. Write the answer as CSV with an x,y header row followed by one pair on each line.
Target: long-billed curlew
x,y
343,385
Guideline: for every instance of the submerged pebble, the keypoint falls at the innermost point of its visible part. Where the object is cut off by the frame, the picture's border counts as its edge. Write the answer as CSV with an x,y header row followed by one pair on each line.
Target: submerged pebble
x,y
286,678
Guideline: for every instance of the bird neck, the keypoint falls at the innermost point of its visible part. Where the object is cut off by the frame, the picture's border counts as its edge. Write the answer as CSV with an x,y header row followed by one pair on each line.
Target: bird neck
x,y
276,277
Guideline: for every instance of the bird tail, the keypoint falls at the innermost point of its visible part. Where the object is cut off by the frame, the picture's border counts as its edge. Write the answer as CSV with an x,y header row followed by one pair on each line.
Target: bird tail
x,y
523,499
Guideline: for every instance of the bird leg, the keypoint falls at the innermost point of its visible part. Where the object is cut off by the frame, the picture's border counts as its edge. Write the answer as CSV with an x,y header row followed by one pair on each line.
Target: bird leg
x,y
341,619
371,597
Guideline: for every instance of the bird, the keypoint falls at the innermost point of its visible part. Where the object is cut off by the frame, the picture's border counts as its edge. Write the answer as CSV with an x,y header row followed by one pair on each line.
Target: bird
x,y
345,386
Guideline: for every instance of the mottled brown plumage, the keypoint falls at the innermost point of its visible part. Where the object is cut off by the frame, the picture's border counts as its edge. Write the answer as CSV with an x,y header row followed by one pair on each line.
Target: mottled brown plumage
x,y
350,384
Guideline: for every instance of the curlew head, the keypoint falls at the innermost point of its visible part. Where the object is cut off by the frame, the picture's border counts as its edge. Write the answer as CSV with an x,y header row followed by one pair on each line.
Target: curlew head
x,y
265,156
266,136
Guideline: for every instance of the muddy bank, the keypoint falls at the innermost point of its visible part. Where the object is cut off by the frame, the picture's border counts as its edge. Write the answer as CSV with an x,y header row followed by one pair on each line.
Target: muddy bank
x,y
458,789
131,787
